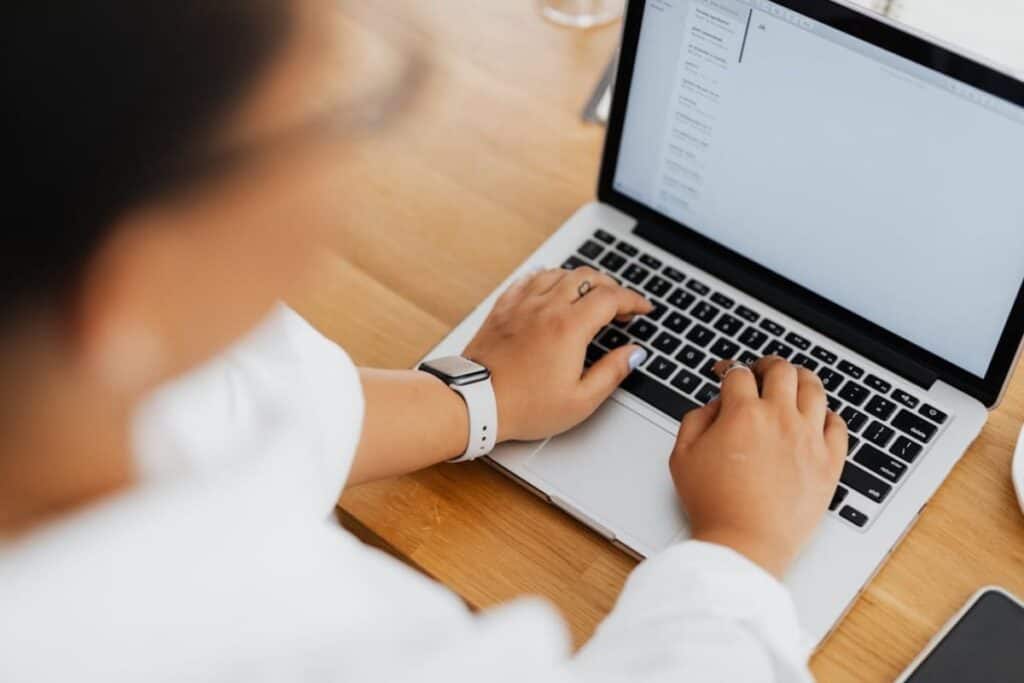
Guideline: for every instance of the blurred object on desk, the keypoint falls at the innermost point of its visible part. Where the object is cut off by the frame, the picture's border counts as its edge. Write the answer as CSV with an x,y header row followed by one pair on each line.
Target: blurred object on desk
x,y
599,106
582,13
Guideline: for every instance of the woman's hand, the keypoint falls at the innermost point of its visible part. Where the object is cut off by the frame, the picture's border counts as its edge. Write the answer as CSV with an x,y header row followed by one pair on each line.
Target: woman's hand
x,y
757,468
534,343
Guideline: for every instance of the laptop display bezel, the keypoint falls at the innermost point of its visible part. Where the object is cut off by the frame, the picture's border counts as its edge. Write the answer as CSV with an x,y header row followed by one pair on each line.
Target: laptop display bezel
x,y
860,334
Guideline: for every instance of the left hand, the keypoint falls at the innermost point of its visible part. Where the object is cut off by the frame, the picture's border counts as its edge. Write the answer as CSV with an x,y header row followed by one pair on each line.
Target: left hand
x,y
534,343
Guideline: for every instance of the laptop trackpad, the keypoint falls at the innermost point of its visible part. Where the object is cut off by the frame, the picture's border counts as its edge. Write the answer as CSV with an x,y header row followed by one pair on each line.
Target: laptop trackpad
x,y
614,468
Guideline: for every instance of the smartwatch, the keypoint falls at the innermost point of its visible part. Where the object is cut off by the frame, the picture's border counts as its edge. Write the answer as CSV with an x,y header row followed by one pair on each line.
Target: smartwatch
x,y
472,382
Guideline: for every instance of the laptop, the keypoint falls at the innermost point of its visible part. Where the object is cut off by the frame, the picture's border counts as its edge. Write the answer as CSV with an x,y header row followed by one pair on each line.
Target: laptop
x,y
806,179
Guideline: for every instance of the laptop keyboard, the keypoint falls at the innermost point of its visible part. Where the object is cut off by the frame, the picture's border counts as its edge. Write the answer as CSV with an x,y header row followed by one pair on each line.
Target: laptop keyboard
x,y
692,327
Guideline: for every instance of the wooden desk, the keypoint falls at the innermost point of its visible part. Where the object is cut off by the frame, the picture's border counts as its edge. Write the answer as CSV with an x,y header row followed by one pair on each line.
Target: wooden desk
x,y
437,212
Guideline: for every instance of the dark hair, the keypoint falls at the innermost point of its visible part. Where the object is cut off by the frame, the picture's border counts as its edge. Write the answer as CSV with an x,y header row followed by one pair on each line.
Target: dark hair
x,y
102,98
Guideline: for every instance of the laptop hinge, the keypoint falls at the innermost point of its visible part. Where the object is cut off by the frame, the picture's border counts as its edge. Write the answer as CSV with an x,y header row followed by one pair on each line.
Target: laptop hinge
x,y
705,254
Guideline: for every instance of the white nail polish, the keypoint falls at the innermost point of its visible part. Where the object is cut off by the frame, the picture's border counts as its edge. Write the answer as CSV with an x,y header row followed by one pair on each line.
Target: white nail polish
x,y
637,358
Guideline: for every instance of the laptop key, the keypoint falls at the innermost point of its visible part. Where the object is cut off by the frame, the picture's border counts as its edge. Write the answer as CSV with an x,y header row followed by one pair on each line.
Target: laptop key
x,y
723,348
905,398
653,392
882,408
824,355
666,343
658,286
605,236
691,356
681,299
635,274
650,261
673,274
905,449
777,348
878,384
882,464
701,336
747,314
773,327
612,262
699,287
753,338
662,367
848,368
722,300
642,329
704,312
865,483
878,434
851,444
853,393
574,262
708,370
591,249
834,404
686,381
854,516
933,414
804,361
627,249
658,311
911,424
838,497
855,420
728,325
613,339
748,357
594,353
677,322
798,341
708,393
830,379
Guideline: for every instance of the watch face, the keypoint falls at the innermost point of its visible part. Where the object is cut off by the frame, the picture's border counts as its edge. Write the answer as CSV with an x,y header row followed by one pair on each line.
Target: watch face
x,y
457,370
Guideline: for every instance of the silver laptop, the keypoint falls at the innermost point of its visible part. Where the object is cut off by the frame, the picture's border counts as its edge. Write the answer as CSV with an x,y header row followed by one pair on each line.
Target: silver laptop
x,y
804,179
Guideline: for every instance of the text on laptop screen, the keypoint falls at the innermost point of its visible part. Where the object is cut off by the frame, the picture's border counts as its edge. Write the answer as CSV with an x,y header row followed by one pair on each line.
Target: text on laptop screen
x,y
888,188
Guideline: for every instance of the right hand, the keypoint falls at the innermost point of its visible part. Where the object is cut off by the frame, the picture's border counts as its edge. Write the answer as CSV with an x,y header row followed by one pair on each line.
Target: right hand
x,y
757,467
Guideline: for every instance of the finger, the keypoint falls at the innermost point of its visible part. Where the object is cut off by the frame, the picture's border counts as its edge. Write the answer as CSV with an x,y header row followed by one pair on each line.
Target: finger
x,y
569,289
543,281
696,422
810,396
738,383
603,377
837,438
604,304
520,285
778,379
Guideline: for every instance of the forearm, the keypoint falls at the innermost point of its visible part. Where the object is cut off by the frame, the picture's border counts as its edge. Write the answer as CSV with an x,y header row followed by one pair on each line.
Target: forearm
x,y
412,421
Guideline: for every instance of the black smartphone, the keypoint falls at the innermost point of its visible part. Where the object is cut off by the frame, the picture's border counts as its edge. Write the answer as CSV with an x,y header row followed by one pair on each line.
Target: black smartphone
x,y
983,643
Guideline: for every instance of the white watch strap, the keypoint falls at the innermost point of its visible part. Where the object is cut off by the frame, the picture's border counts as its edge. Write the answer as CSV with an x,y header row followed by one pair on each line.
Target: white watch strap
x,y
483,419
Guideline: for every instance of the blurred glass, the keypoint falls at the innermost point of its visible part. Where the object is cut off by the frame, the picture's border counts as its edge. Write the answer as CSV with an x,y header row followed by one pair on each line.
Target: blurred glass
x,y
582,13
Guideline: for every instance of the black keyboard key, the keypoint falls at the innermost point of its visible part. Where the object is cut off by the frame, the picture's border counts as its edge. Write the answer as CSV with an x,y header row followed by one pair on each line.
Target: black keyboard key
x,y
686,381
650,261
662,367
878,384
708,393
699,287
701,336
905,398
651,391
824,355
658,311
905,449
627,249
635,274
642,329
911,424
704,312
878,434
666,343
773,327
801,360
777,348
728,325
605,237
591,250
754,338
677,322
854,516
838,497
673,274
831,379
854,394
681,299
865,483
834,404
933,414
855,420
798,341
658,286
850,369
722,300
723,348
612,262
851,444
594,353
574,262
748,358
882,408
747,314
882,464
708,370
613,339
691,356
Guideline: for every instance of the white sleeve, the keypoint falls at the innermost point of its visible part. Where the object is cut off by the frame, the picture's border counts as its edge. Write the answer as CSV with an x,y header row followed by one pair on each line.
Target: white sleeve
x,y
283,372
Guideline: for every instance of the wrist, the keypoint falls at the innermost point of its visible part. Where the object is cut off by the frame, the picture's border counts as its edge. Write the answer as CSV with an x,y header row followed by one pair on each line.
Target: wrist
x,y
762,550
455,414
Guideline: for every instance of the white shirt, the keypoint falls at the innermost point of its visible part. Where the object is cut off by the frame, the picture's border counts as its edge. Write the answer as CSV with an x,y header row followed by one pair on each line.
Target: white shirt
x,y
224,564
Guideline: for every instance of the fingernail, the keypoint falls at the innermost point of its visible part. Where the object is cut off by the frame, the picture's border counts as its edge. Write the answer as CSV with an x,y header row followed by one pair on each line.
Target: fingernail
x,y
637,358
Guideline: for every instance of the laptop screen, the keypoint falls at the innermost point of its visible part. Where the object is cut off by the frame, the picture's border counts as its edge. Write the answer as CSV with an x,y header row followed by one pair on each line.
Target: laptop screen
x,y
892,190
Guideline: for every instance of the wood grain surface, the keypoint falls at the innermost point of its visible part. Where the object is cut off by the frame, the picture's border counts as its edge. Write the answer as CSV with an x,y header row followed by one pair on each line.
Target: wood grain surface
x,y
436,211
